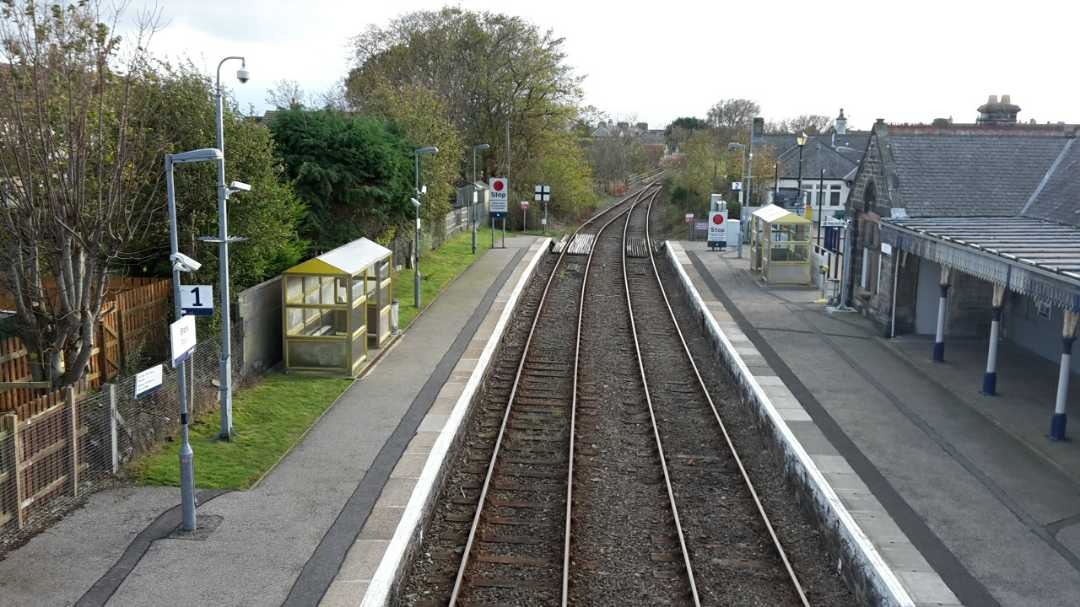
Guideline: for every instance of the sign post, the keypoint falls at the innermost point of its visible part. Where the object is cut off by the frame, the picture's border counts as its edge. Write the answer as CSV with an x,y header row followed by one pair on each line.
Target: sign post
x,y
689,218
197,300
524,215
717,229
500,204
182,339
542,194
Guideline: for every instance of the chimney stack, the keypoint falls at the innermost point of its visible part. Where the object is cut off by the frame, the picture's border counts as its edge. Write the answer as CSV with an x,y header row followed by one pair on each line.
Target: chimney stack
x,y
995,112
840,125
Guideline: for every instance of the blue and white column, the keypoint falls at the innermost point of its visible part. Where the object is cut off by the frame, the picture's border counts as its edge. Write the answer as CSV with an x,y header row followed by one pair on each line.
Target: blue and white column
x,y
989,386
1068,335
943,309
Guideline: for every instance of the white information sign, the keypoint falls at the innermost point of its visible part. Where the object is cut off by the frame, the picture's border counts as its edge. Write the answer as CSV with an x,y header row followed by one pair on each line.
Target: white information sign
x,y
147,380
717,229
736,186
500,194
886,248
197,300
542,193
182,339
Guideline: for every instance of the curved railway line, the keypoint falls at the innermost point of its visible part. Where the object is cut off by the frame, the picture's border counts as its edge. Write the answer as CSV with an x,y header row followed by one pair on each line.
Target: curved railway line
x,y
596,468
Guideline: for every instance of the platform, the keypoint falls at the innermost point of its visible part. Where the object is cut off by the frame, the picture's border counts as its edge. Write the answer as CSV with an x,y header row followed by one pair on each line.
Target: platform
x,y
969,481
285,540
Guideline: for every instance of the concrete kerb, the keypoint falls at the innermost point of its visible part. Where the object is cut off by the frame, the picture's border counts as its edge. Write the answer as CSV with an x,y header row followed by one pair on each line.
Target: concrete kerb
x,y
408,534
870,570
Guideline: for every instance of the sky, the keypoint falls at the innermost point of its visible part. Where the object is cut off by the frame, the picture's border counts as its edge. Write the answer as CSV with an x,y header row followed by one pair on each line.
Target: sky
x,y
909,61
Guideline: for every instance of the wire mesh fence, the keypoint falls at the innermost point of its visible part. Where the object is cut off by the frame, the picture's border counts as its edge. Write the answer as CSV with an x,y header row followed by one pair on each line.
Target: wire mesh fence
x,y
51,460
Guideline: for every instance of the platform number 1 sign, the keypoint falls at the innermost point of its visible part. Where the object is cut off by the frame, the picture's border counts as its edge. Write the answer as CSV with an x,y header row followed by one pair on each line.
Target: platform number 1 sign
x,y
197,300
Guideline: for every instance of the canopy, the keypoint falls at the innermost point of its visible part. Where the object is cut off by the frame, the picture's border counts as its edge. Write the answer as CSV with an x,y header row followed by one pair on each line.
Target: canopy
x,y
776,214
348,259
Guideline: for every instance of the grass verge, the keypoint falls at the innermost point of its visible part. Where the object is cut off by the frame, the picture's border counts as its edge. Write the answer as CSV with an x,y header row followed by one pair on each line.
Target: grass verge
x,y
272,415
269,418
437,269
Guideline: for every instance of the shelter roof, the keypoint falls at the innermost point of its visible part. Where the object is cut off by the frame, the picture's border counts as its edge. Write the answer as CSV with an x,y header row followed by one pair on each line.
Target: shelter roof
x,y
351,258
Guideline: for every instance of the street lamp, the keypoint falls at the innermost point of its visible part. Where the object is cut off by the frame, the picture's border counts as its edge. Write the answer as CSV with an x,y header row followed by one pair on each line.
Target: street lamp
x,y
416,257
800,140
183,263
222,240
418,152
472,208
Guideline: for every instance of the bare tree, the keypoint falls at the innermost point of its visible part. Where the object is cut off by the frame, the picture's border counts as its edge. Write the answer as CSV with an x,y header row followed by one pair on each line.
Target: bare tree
x,y
285,94
732,114
78,170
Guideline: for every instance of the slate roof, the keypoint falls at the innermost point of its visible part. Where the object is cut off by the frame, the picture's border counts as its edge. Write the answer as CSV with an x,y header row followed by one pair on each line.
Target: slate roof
x,y
1059,199
967,175
820,153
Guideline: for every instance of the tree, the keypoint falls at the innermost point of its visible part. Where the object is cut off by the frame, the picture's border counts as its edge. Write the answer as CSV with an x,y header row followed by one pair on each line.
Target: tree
x,y
811,124
355,173
423,120
285,94
732,114
78,167
487,71
681,129
269,216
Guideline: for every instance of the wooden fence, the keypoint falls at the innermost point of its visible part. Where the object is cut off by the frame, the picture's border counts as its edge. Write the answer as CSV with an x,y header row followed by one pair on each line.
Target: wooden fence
x,y
41,457
135,317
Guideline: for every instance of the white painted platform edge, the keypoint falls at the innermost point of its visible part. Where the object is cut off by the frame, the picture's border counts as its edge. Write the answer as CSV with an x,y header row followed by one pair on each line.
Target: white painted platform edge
x,y
412,518
881,576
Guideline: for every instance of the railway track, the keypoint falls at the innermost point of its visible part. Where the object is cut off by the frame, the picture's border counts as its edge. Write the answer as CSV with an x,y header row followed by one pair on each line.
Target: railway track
x,y
502,537
733,554
596,469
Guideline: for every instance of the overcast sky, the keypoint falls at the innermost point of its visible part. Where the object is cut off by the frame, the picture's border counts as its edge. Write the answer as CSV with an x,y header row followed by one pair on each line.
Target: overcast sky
x,y
907,62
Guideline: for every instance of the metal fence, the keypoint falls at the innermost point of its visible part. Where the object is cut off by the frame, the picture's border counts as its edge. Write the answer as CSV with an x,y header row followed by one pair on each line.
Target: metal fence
x,y
52,460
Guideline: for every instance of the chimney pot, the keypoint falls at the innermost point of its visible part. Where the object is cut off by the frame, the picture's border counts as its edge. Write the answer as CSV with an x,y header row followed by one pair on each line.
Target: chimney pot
x,y
993,99
1005,99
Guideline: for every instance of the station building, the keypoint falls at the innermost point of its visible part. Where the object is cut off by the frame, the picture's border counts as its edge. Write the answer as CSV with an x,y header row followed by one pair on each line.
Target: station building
x,y
972,231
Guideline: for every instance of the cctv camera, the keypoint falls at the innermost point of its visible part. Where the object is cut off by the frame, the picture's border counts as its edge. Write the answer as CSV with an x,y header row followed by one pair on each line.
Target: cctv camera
x,y
239,186
184,263
242,75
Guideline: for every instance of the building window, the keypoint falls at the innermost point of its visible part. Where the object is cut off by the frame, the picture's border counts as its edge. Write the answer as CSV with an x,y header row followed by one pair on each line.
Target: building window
x,y
834,197
869,197
864,278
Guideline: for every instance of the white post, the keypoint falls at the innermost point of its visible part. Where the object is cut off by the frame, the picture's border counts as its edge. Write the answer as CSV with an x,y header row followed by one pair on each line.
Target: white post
x,y
1068,335
989,386
114,426
943,306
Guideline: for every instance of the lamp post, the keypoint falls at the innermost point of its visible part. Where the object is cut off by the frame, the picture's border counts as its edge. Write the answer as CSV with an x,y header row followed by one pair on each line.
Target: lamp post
x,y
223,239
185,264
417,153
820,195
472,208
800,140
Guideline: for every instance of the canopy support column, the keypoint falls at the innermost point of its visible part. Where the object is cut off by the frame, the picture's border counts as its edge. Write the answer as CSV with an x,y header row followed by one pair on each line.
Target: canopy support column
x,y
989,386
1068,335
943,303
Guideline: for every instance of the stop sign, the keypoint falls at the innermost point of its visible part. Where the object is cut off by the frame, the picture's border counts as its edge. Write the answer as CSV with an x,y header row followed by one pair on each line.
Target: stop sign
x,y
718,219
498,185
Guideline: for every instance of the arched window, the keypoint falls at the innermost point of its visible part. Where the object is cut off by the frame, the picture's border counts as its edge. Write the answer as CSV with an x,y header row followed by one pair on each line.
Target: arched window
x,y
869,197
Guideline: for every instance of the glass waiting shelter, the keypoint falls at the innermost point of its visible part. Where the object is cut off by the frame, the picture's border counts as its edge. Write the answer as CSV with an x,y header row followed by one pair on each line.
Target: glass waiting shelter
x,y
333,305
780,245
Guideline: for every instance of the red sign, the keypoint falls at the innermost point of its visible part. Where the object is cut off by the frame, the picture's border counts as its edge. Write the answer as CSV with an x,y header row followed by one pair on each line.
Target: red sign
x,y
498,185
524,204
718,219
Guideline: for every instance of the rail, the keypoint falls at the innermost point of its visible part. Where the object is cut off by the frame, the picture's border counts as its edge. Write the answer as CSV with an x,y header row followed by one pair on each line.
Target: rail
x,y
700,383
615,211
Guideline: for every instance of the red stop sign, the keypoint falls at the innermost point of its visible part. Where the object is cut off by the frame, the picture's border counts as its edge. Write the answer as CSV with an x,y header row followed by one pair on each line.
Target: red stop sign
x,y
718,219
499,185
